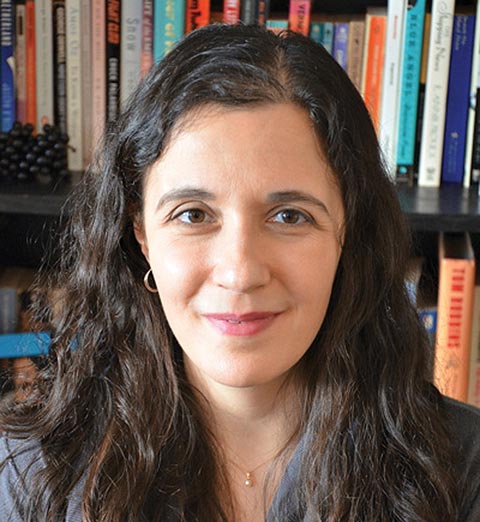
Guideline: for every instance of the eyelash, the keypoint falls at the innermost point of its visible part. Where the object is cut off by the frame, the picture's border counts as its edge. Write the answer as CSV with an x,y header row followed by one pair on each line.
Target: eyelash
x,y
304,218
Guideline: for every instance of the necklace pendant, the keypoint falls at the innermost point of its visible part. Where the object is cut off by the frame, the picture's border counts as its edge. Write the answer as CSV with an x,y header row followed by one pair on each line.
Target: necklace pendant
x,y
248,480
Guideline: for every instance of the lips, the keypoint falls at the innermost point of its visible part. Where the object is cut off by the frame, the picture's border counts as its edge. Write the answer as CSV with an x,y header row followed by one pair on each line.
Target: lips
x,y
241,324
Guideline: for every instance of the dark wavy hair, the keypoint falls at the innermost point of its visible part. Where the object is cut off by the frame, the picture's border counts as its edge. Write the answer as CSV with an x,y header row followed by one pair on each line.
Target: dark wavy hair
x,y
113,403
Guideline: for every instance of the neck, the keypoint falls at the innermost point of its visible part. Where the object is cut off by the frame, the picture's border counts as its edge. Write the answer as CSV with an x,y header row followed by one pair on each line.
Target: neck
x,y
252,423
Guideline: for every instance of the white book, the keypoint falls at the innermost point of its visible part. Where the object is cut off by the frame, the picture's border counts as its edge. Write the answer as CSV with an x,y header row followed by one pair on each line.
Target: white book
x,y
474,86
388,130
44,62
98,64
430,167
74,83
87,103
130,47
20,62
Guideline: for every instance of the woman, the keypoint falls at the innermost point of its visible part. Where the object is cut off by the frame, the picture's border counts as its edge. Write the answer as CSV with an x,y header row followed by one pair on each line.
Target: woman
x,y
232,338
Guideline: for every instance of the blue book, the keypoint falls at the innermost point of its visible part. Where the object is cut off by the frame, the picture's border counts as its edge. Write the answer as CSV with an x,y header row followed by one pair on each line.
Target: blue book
x,y
340,43
168,26
322,33
458,99
428,317
7,85
410,82
24,345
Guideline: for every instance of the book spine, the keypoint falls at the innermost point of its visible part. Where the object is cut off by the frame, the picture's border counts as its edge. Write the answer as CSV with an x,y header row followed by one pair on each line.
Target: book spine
x,y
7,65
30,73
130,48
87,81
328,33
231,11
249,12
197,14
457,99
472,152
355,52
340,43
299,16
20,62
316,31
112,63
373,65
74,84
391,82
98,65
455,307
59,65
168,26
429,171
147,37
474,375
44,62
277,26
409,90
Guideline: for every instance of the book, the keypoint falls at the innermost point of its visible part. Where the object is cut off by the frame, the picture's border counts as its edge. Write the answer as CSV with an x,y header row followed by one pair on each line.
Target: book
x,y
322,32
20,54
373,61
231,11
409,90
388,126
430,167
44,62
168,26
87,81
7,66
98,69
474,374
299,16
455,307
74,75
30,67
421,95
340,43
277,25
130,48
356,43
59,65
457,99
112,61
147,37
197,14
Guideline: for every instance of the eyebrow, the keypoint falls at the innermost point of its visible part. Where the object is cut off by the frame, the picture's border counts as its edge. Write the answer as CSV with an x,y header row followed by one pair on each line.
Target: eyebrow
x,y
284,196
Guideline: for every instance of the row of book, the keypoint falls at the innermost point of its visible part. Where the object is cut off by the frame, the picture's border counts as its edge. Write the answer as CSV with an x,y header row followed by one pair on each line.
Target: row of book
x,y
447,300
417,66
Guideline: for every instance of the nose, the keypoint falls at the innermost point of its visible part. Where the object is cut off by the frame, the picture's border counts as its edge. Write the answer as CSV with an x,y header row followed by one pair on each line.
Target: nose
x,y
241,261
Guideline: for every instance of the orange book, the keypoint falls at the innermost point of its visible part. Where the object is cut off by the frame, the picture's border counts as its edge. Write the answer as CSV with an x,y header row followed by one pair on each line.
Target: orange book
x,y
373,61
197,14
299,16
30,75
455,309
231,11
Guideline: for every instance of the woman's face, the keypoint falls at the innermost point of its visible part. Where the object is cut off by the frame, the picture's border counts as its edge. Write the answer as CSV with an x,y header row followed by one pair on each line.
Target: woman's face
x,y
242,229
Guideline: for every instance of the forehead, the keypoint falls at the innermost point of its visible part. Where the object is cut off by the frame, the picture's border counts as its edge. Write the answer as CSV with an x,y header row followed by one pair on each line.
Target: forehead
x,y
263,147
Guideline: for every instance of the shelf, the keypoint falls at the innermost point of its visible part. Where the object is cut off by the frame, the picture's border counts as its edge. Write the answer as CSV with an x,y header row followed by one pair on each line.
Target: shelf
x,y
24,345
35,198
449,209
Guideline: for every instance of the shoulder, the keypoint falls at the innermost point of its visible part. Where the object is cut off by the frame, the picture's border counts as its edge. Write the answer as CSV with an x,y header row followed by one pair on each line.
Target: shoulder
x,y
464,421
19,461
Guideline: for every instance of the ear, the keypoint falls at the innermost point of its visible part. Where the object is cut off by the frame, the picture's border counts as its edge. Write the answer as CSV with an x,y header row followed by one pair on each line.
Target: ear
x,y
141,238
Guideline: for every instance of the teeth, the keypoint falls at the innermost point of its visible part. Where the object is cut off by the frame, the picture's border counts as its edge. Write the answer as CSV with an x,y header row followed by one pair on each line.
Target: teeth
x,y
234,322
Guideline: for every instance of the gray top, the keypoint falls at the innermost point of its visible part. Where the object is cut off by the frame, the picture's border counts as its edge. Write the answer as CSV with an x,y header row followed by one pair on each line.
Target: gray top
x,y
465,422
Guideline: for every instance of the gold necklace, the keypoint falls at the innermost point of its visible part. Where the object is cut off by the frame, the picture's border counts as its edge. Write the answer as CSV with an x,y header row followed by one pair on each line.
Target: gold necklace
x,y
249,481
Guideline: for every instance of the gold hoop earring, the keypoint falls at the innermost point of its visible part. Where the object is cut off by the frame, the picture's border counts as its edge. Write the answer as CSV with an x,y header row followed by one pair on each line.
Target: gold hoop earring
x,y
147,284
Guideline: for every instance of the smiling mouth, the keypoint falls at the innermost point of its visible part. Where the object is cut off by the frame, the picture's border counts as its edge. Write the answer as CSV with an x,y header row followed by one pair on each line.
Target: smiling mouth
x,y
241,325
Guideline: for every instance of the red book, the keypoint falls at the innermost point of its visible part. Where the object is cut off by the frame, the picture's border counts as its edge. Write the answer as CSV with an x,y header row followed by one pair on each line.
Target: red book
x,y
299,16
197,14
231,11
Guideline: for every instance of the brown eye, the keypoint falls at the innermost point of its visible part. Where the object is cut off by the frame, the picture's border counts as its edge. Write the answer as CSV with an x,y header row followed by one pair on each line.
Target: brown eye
x,y
290,216
193,216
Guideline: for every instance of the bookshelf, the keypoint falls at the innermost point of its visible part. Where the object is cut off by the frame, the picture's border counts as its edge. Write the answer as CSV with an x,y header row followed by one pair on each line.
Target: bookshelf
x,y
30,214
